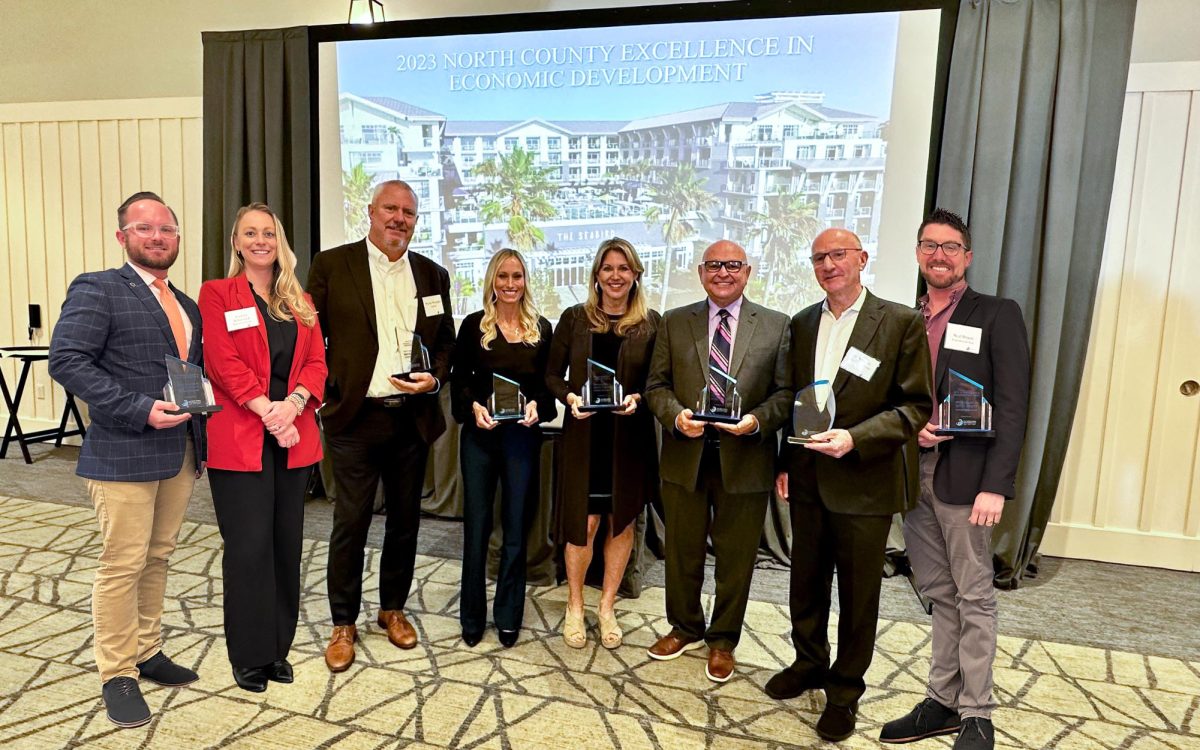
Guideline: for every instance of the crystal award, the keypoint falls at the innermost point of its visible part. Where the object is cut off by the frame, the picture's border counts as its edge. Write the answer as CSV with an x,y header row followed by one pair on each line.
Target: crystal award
x,y
719,400
601,391
506,402
412,355
812,412
965,411
187,388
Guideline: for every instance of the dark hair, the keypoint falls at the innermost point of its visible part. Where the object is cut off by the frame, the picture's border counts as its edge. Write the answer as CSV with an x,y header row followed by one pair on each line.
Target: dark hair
x,y
950,219
142,195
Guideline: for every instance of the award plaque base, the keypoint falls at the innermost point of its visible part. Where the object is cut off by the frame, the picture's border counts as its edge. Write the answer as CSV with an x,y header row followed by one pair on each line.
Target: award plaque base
x,y
718,418
951,432
196,409
507,417
802,440
602,407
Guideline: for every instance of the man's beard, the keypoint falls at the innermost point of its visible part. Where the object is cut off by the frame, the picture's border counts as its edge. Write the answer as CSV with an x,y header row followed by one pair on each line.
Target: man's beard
x,y
158,263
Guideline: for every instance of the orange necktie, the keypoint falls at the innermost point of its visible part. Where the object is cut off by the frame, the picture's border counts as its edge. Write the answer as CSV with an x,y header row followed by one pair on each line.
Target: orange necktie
x,y
167,299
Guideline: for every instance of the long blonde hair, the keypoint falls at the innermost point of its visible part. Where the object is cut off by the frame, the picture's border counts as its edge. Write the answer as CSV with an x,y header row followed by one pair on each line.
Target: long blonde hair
x,y
287,296
530,332
636,314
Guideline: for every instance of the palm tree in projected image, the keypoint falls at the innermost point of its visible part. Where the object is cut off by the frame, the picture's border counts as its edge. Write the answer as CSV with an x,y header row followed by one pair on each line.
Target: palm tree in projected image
x,y
356,196
635,174
680,202
787,229
516,191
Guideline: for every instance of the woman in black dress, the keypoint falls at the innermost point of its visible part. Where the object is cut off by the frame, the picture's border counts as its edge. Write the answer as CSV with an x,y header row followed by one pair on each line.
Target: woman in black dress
x,y
609,459
510,339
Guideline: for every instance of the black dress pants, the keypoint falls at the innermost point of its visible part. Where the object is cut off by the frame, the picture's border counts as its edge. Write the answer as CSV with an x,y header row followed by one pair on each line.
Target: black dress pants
x,y
378,444
261,518
822,541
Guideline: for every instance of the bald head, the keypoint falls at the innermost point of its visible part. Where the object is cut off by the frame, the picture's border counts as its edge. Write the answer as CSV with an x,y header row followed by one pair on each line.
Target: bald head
x,y
723,284
838,261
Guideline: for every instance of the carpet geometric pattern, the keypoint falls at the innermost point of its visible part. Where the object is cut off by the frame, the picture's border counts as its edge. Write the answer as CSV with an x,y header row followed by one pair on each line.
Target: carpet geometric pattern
x,y
539,694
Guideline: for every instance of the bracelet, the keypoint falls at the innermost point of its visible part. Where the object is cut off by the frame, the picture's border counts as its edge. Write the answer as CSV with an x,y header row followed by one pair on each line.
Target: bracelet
x,y
298,401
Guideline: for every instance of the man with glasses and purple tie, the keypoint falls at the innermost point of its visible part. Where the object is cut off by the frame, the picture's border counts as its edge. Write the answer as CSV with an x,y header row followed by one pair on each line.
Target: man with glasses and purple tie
x,y
719,385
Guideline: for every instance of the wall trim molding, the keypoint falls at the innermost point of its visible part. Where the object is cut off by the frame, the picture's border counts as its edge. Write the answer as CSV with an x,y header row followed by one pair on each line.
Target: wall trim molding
x,y
1124,546
103,109
1164,76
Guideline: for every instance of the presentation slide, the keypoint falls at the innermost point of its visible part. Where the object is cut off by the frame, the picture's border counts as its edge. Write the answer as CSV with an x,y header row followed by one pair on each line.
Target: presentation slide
x,y
671,136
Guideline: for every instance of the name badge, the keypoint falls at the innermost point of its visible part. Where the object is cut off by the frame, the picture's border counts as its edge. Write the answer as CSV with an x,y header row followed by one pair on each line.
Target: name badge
x,y
433,305
857,362
236,320
963,338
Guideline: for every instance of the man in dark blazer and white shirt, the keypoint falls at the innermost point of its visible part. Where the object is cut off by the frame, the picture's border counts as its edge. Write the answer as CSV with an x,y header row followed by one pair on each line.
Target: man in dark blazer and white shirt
x,y
371,296
720,469
844,486
109,348
964,483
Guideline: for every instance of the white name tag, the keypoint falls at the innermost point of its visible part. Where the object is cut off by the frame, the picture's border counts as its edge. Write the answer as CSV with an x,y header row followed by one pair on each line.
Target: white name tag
x,y
963,338
236,320
433,305
857,362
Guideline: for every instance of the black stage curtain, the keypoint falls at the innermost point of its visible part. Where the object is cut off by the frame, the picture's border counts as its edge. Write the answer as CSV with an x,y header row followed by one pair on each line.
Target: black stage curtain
x,y
257,137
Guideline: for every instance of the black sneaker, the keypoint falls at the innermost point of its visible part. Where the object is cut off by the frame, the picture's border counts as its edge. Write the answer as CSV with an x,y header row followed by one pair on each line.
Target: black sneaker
x,y
977,734
162,671
124,703
928,719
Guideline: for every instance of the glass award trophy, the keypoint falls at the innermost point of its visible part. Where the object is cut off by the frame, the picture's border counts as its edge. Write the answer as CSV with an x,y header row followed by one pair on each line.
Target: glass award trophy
x,y
965,411
187,388
719,400
506,403
812,412
601,391
412,355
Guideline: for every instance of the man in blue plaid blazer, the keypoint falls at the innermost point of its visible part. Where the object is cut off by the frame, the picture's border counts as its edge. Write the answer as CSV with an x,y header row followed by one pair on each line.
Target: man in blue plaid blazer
x,y
140,461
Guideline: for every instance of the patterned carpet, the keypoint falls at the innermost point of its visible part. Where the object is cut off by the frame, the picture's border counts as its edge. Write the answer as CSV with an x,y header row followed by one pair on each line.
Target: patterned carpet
x,y
539,694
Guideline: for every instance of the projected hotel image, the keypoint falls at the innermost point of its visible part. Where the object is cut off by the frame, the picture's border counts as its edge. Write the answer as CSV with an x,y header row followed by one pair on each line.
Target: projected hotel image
x,y
768,173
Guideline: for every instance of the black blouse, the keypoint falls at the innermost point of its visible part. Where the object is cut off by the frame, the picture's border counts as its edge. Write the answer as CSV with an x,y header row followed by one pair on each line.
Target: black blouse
x,y
472,368
281,342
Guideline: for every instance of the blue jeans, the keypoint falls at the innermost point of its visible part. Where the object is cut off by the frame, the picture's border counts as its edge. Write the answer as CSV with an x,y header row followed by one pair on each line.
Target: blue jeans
x,y
508,454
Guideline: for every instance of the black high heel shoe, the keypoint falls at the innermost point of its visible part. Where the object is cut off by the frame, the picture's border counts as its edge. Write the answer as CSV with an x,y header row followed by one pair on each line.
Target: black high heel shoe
x,y
508,638
253,679
280,671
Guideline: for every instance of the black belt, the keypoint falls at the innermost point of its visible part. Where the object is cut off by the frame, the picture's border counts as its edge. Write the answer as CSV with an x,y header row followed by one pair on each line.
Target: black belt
x,y
388,402
923,451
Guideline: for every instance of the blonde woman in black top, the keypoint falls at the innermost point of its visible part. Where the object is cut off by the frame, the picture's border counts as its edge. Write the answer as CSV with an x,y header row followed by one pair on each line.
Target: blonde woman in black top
x,y
608,465
507,338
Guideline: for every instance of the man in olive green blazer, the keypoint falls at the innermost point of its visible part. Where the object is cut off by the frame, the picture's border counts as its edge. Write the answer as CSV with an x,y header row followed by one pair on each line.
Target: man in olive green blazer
x,y
721,472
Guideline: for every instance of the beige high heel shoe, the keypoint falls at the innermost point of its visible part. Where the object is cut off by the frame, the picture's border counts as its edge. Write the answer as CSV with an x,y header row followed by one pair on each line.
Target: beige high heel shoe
x,y
574,629
610,630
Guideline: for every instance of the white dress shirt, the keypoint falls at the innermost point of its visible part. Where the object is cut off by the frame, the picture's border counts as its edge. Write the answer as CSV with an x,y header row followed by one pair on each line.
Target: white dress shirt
x,y
395,292
833,336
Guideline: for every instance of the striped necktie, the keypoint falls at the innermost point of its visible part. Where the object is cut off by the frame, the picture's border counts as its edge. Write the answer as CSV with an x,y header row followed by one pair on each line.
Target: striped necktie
x,y
166,298
718,356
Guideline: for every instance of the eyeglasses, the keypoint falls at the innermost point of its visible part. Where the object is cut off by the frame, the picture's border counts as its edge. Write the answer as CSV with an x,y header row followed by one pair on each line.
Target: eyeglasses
x,y
146,231
929,247
837,254
732,266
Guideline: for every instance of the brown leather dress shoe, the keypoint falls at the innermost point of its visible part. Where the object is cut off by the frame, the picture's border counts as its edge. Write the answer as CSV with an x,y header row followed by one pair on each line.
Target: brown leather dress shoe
x,y
720,665
672,645
400,632
339,654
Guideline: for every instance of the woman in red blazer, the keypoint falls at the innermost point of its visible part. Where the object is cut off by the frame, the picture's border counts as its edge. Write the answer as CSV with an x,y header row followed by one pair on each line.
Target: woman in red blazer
x,y
265,357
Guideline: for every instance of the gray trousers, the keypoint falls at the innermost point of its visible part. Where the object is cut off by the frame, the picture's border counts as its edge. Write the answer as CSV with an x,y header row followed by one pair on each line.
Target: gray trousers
x,y
952,562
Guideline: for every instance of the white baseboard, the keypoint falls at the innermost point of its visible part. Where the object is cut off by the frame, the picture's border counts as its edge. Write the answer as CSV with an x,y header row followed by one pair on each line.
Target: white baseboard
x,y
1126,546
